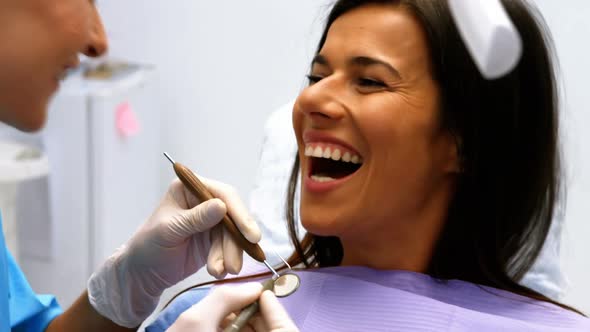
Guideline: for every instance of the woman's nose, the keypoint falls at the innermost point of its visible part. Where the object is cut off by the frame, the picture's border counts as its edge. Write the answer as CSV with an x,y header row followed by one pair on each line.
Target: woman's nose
x,y
322,102
97,44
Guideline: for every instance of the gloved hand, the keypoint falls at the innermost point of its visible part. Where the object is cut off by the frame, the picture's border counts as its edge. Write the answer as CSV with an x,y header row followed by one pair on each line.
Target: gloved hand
x,y
217,310
180,237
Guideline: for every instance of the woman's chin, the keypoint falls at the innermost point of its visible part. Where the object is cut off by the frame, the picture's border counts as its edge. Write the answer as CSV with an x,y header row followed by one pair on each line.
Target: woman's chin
x,y
322,226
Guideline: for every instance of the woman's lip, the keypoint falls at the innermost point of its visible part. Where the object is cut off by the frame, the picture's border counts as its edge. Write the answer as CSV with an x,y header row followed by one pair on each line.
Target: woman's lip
x,y
322,187
312,136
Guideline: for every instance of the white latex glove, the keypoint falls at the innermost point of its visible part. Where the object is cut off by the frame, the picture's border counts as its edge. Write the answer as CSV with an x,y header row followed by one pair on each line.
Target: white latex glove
x,y
218,308
180,237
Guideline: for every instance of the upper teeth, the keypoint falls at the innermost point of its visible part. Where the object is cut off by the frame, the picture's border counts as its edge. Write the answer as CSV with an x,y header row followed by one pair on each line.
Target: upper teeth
x,y
331,153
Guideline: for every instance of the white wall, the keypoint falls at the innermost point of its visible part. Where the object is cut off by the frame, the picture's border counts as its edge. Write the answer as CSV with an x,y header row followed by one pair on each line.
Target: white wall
x,y
571,28
225,65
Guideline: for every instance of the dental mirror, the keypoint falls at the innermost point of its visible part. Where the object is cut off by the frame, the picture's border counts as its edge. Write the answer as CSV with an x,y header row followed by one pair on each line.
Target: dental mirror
x,y
286,285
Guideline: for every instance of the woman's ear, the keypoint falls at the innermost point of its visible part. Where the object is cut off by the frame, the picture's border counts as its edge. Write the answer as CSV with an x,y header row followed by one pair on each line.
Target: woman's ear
x,y
453,156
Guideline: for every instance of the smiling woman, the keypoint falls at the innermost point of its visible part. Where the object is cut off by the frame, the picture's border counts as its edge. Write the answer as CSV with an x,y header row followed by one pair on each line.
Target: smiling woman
x,y
427,191
440,190
372,91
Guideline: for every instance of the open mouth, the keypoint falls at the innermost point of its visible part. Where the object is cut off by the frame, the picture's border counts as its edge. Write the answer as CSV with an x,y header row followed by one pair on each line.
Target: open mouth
x,y
329,162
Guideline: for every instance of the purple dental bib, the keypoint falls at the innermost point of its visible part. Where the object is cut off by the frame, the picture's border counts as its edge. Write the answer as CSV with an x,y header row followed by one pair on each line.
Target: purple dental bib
x,y
363,299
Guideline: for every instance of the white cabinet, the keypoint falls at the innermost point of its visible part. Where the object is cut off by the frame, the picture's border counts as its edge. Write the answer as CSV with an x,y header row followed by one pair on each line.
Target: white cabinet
x,y
104,179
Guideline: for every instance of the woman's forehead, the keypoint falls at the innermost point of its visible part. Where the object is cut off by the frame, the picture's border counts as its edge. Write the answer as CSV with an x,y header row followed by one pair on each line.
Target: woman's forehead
x,y
382,30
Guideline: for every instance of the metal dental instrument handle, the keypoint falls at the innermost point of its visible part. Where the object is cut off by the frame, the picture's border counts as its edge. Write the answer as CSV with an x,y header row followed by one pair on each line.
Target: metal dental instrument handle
x,y
242,319
197,188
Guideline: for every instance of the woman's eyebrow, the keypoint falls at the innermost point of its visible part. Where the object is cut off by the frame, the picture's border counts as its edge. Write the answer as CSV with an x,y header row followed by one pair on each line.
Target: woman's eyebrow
x,y
319,60
365,61
359,61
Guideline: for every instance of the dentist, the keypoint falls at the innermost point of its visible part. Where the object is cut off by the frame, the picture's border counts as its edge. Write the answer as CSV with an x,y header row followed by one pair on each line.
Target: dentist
x,y
39,41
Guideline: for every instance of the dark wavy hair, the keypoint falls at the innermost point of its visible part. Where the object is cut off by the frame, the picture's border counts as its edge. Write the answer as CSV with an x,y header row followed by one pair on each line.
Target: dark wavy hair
x,y
507,134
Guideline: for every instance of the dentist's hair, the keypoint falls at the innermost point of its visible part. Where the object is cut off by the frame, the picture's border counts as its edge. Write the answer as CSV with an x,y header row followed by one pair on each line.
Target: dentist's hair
x,y
507,136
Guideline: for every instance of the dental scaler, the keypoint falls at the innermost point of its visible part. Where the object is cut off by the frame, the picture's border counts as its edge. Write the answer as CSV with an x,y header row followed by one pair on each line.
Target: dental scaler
x,y
197,188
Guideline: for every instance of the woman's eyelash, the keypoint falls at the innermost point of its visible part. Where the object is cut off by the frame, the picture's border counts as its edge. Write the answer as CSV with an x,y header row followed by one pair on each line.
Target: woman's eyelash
x,y
364,82
313,79
367,82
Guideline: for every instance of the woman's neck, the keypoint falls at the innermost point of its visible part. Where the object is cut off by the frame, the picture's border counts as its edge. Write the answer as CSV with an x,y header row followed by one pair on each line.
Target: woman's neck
x,y
400,244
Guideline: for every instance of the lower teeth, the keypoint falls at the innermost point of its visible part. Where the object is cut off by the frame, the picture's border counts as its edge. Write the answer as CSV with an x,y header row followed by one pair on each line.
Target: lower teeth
x,y
320,178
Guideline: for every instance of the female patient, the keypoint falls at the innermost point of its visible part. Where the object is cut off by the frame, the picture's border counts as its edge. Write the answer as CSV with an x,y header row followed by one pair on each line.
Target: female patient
x,y
427,192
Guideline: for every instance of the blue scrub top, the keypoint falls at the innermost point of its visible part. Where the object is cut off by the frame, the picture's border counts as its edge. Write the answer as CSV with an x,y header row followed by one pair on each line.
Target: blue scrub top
x,y
20,308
